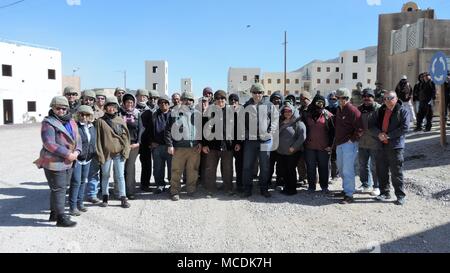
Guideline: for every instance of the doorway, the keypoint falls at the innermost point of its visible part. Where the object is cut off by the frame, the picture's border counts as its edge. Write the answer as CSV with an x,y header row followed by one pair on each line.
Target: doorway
x,y
8,113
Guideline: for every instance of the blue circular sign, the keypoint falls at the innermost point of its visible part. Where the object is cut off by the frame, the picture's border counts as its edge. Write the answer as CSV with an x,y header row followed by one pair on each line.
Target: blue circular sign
x,y
438,68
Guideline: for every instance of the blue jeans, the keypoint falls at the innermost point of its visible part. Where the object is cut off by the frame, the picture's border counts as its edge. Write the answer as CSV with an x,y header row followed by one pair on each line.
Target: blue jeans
x,y
118,163
160,158
346,156
317,160
78,185
252,151
93,179
367,167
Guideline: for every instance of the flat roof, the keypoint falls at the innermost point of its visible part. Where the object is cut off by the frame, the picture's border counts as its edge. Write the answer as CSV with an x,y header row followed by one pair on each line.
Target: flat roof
x,y
18,43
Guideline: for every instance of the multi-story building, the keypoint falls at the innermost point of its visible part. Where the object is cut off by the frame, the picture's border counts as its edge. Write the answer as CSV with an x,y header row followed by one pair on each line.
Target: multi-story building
x,y
186,85
157,76
240,80
275,82
30,77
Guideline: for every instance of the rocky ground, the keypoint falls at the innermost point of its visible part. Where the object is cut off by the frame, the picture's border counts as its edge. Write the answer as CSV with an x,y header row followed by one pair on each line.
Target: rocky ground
x,y
302,223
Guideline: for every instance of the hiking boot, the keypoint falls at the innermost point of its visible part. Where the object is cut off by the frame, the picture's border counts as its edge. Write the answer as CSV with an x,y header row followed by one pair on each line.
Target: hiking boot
x,y
326,191
146,189
375,192
53,217
104,204
418,129
83,209
400,201
175,198
347,200
75,212
266,194
64,221
94,200
124,202
383,197
364,189
311,191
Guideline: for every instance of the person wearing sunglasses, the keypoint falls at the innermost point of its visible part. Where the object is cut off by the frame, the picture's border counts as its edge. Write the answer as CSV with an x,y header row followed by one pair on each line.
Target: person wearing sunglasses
x,y
88,134
318,144
119,93
72,97
258,142
390,126
186,148
348,131
61,147
90,99
368,146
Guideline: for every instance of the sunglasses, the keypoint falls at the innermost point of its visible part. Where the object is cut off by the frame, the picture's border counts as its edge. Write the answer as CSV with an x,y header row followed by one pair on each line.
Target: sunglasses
x,y
318,103
390,98
366,96
101,98
72,95
257,93
335,99
61,108
85,115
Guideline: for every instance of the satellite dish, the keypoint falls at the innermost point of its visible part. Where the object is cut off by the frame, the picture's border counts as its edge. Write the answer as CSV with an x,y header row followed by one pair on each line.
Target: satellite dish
x,y
410,6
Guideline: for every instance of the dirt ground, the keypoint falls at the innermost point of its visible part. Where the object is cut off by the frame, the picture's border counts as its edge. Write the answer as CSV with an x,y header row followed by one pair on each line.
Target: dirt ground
x,y
302,223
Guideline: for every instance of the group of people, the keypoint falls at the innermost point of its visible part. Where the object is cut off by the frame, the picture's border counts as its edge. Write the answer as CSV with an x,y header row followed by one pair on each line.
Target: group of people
x,y
84,138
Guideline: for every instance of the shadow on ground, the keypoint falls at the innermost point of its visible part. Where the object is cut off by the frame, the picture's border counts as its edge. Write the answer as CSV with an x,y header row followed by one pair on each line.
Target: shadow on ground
x,y
24,202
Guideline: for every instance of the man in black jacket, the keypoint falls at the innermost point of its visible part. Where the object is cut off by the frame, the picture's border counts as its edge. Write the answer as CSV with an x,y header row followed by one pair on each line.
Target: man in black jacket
x,y
427,94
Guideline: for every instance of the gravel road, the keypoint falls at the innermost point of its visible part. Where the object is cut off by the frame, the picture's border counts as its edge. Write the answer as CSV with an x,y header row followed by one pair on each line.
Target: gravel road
x,y
303,223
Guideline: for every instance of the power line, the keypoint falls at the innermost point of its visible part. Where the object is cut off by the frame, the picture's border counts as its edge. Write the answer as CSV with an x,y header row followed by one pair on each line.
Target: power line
x,y
11,4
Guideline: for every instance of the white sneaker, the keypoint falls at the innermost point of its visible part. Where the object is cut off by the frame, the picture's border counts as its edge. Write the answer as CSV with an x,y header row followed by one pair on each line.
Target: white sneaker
x,y
365,189
375,192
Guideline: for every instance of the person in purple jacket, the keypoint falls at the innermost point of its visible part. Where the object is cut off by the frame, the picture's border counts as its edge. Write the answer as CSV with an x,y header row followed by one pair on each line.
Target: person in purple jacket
x,y
61,148
349,129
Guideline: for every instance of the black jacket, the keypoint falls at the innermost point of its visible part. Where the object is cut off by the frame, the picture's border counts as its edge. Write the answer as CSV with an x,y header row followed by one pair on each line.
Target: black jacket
x,y
88,151
427,91
223,144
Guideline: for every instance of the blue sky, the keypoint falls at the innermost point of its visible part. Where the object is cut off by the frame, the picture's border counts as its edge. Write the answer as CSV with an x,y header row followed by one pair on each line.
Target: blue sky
x,y
199,38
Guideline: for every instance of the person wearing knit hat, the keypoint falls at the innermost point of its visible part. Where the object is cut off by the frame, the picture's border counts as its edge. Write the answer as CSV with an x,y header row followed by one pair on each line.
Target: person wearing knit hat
x,y
89,98
208,92
61,148
80,176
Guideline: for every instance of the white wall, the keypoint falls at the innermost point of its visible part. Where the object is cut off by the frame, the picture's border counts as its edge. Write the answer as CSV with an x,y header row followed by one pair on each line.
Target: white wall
x,y
161,77
236,82
350,67
29,81
270,81
186,85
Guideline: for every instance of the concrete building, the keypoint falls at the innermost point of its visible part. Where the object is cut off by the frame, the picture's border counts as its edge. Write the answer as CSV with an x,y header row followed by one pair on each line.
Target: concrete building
x,y
186,85
406,42
275,82
73,81
31,77
157,76
351,67
240,80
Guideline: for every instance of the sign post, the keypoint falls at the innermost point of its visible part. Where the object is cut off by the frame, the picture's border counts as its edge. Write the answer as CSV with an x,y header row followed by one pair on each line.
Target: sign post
x,y
438,71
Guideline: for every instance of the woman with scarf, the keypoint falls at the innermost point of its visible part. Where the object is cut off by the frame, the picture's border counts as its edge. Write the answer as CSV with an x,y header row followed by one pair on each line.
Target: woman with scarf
x,y
86,129
132,117
292,135
333,104
61,148
113,147
319,142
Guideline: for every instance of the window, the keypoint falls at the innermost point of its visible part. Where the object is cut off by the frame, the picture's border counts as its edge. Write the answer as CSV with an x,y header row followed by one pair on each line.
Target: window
x,y
155,86
355,59
337,81
319,69
245,78
262,81
355,76
186,83
155,69
369,69
269,92
256,78
369,81
297,92
6,70
342,60
328,69
279,81
31,106
297,81
342,76
328,81
318,81
288,81
51,74
337,69
269,81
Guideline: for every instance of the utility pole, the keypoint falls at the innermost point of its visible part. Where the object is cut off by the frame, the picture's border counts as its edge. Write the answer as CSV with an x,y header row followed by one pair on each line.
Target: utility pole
x,y
285,62
125,79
